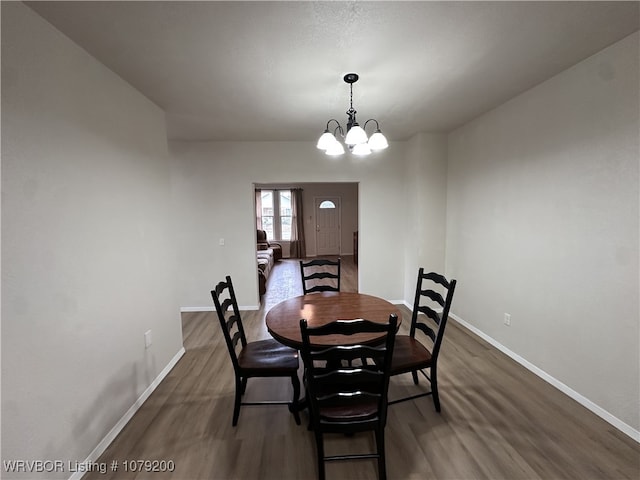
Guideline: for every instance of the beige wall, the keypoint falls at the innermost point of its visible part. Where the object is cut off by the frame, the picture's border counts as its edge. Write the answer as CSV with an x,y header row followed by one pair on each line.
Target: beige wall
x,y
426,197
213,193
87,250
542,223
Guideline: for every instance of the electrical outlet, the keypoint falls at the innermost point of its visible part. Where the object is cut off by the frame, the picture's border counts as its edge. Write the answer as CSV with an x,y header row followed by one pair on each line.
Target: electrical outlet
x,y
222,242
507,319
147,339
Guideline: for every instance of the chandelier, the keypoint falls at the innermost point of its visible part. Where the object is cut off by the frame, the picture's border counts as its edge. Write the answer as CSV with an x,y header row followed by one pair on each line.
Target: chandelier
x,y
355,137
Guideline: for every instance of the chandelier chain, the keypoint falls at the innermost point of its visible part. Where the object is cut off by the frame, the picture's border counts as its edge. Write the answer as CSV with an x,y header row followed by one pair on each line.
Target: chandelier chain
x,y
351,110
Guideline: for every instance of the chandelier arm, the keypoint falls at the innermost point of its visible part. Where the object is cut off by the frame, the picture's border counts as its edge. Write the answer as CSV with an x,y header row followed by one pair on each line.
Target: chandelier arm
x,y
371,120
333,120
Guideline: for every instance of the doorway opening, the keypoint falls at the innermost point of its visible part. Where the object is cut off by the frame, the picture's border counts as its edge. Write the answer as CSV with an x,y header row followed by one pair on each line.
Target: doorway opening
x,y
329,220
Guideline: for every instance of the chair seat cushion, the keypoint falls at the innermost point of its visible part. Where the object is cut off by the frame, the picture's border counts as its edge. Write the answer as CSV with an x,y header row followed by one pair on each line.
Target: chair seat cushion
x,y
268,357
355,407
349,412
409,354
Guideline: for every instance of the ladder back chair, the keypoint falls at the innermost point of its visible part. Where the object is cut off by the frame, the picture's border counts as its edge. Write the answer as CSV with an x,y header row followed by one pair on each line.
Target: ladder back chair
x,y
320,275
347,385
430,315
262,358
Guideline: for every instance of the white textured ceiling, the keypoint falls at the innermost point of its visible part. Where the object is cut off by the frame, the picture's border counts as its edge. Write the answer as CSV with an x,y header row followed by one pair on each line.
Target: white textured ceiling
x,y
273,70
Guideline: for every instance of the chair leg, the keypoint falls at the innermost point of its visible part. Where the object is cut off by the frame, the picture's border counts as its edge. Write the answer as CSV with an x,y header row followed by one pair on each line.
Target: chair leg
x,y
244,385
294,407
310,424
434,388
414,374
240,383
382,467
320,453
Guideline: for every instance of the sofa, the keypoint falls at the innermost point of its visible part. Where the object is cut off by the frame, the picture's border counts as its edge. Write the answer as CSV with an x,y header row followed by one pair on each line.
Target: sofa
x,y
263,244
267,254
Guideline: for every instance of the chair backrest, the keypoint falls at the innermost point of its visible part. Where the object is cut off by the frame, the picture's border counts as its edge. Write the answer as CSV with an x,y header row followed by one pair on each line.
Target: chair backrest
x,y
429,300
348,381
320,275
224,298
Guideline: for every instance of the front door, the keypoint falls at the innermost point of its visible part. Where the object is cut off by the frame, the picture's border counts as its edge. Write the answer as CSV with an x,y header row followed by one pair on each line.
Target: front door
x,y
327,226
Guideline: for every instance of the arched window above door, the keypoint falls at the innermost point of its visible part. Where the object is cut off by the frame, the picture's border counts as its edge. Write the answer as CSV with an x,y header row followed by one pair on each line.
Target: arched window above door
x,y
327,204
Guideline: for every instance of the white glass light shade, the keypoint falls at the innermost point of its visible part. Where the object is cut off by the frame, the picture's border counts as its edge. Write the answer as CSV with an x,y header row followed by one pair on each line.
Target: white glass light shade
x,y
361,149
335,148
326,140
378,141
355,135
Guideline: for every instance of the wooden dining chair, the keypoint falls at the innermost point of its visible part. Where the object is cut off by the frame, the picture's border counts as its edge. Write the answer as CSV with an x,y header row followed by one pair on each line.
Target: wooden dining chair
x,y
347,384
262,358
320,275
429,316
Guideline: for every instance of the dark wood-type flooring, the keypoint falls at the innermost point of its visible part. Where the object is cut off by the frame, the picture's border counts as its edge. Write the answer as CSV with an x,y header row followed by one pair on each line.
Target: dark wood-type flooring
x,y
498,420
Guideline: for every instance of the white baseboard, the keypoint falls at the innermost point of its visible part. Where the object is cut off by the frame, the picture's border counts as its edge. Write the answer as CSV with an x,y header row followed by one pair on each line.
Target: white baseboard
x,y
585,402
197,309
113,433
245,308
398,302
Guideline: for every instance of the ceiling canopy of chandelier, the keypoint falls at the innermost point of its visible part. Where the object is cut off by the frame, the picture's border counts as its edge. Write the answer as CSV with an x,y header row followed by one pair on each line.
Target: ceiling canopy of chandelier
x,y
355,136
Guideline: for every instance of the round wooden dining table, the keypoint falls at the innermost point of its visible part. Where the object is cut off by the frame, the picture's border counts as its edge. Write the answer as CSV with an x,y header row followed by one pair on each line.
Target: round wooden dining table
x,y
283,320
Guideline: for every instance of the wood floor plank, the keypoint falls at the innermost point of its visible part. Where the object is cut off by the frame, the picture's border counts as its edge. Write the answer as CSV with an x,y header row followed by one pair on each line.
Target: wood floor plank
x,y
498,420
